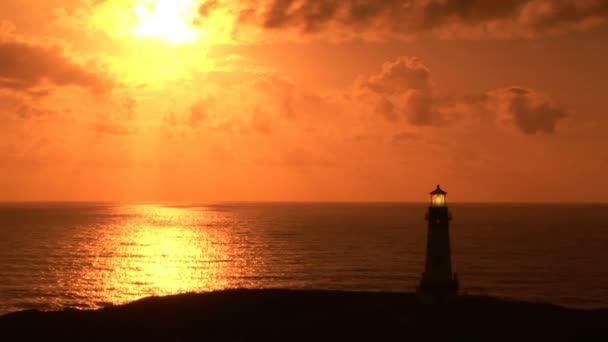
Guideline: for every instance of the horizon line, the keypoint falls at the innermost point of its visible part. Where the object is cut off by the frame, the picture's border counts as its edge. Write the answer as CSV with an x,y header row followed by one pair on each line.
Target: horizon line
x,y
289,202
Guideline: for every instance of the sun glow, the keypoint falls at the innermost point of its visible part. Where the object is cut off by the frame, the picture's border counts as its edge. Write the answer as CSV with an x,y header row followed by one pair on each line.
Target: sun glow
x,y
170,20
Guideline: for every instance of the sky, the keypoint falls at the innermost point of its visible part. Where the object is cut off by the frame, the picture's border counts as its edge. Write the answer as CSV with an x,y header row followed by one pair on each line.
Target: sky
x,y
303,100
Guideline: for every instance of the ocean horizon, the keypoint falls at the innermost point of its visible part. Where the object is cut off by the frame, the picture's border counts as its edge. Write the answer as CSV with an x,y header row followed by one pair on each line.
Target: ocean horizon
x,y
88,255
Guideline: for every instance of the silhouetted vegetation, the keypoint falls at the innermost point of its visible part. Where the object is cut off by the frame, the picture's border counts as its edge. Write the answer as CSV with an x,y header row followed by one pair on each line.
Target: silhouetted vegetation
x,y
288,315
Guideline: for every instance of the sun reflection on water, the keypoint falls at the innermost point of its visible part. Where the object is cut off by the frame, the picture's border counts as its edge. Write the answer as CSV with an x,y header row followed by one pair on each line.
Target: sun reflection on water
x,y
159,251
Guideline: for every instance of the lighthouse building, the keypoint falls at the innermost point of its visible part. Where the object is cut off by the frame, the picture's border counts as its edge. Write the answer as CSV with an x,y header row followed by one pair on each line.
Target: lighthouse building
x,y
438,281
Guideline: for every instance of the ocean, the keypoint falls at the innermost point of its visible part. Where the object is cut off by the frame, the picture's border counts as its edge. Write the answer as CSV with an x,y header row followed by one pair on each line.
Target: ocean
x,y
92,255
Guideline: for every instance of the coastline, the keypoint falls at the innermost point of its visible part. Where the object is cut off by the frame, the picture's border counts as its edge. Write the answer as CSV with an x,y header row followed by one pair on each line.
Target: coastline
x,y
280,314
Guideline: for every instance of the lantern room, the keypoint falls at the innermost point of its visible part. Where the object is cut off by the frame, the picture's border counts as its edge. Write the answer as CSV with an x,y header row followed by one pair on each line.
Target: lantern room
x,y
438,197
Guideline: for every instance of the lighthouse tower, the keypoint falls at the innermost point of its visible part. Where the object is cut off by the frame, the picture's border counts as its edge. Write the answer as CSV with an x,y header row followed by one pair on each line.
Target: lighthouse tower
x,y
438,281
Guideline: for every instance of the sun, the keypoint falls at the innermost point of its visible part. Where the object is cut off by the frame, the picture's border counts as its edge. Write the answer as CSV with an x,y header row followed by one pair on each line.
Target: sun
x,y
169,20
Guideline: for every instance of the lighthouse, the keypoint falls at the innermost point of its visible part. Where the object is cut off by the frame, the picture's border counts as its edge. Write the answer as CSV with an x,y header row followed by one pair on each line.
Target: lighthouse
x,y
438,281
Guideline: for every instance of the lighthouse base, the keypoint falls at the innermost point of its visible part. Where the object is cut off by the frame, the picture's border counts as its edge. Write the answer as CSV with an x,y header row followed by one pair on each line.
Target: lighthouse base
x,y
438,290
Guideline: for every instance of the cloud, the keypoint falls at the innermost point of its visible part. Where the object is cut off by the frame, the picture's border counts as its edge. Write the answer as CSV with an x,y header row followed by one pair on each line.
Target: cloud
x,y
26,68
399,18
403,74
555,14
534,115
402,89
19,106
532,112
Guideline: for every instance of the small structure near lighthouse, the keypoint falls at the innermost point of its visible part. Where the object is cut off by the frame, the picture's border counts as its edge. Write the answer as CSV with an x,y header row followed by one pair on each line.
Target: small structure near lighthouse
x,y
438,282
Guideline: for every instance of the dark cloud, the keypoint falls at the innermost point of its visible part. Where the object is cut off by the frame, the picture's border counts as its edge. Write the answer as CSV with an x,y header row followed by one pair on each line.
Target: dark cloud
x,y
403,89
24,67
422,108
386,108
548,15
403,17
530,111
533,113
468,12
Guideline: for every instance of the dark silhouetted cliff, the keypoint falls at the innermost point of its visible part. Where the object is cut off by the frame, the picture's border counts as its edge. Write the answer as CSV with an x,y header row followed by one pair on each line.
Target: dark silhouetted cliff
x,y
288,315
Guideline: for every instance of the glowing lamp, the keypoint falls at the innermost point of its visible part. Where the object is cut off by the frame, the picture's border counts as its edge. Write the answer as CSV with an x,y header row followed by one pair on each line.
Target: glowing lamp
x,y
438,197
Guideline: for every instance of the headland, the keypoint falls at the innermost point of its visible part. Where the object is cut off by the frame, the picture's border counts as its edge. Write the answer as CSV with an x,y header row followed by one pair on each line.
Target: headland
x,y
307,315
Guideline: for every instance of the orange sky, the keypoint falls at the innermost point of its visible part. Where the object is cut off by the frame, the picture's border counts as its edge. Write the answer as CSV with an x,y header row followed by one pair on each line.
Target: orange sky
x,y
302,100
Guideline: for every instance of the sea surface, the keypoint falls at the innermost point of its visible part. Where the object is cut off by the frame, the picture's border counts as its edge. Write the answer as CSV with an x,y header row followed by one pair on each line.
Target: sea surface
x,y
86,255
